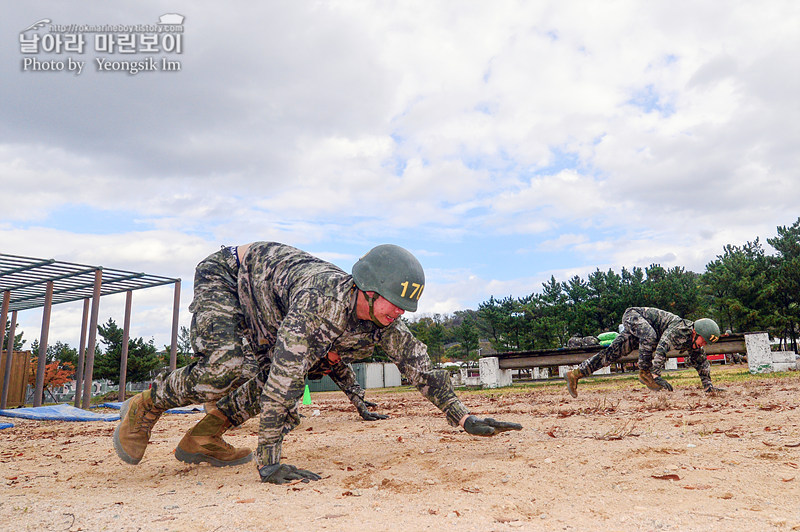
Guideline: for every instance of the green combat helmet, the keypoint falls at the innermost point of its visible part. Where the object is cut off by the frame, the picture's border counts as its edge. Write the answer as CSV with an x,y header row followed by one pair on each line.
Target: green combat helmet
x,y
393,273
707,329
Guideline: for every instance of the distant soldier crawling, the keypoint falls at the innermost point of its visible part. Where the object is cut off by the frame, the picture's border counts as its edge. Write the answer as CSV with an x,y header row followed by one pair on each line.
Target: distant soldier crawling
x,y
291,309
654,332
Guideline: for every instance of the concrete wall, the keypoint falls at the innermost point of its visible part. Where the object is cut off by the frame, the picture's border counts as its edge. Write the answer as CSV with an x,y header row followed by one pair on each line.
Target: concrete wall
x,y
761,358
468,377
491,376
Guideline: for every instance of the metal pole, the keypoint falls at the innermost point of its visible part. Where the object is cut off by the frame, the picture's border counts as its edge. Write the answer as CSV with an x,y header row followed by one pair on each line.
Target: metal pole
x,y
89,369
173,350
9,355
42,359
81,355
3,318
123,358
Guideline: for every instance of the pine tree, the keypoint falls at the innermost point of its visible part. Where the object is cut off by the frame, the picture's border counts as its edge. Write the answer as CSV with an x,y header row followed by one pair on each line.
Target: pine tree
x,y
143,356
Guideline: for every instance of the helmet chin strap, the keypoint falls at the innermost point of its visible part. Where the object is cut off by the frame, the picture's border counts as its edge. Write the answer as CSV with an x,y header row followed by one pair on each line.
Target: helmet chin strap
x,y
695,336
371,300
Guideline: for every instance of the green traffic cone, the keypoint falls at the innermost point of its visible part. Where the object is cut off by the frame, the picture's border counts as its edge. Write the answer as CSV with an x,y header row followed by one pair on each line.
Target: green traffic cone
x,y
307,396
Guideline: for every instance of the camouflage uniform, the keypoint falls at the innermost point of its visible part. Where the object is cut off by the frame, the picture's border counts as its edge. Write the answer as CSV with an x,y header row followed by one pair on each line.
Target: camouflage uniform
x,y
224,359
654,332
295,308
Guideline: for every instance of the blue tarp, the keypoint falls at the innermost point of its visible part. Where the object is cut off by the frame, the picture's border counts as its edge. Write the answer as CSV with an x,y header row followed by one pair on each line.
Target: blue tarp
x,y
180,410
6,425
62,412
66,412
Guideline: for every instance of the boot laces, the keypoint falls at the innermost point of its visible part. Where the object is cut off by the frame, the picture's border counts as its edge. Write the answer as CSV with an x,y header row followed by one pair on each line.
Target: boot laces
x,y
218,445
226,445
148,418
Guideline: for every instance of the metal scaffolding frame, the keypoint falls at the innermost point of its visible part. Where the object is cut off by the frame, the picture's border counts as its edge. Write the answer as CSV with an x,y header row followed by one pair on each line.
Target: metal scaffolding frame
x,y
28,283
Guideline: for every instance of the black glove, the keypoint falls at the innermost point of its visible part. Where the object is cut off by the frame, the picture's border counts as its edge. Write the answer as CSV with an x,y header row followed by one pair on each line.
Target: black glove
x,y
284,473
713,389
371,416
663,383
488,427
362,405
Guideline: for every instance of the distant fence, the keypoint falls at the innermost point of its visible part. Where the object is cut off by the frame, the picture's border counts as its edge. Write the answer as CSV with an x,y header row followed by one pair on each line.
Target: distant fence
x,y
66,393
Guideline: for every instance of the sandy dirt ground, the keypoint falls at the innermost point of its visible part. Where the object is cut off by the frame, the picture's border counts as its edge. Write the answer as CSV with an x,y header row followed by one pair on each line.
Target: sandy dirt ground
x,y
619,457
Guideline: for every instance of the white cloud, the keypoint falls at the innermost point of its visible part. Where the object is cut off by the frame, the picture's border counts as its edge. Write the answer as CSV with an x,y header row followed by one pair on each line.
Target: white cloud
x,y
580,134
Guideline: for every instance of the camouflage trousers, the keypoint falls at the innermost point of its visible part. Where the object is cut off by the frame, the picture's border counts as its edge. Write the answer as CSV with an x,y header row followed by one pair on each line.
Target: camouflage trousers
x,y
622,345
224,358
245,402
699,362
628,341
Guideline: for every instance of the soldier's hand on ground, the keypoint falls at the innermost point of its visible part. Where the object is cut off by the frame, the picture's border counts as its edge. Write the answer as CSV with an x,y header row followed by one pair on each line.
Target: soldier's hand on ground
x,y
713,389
285,473
663,383
488,427
371,416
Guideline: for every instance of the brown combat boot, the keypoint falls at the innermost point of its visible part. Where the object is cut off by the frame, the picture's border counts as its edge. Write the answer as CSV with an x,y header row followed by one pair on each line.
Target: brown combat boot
x,y
646,378
204,443
572,377
136,419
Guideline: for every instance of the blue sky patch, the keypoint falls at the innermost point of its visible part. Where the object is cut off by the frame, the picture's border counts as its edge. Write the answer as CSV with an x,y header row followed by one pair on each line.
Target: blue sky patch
x,y
79,218
649,100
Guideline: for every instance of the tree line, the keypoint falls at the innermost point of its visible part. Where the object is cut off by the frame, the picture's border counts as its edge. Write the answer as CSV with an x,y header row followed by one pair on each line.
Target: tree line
x,y
144,360
743,290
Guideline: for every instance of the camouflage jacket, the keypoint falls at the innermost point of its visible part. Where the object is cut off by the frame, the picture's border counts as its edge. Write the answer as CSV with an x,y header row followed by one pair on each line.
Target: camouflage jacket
x,y
666,332
304,307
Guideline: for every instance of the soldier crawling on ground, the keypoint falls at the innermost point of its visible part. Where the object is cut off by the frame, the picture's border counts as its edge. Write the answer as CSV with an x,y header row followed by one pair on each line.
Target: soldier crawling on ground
x,y
654,332
286,309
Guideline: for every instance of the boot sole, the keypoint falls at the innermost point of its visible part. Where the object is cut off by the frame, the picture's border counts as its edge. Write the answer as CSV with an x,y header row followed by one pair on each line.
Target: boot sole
x,y
572,391
199,458
655,389
125,457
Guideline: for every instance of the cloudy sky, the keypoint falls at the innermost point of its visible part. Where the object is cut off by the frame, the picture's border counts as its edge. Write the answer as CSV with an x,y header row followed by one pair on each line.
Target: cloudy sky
x,y
502,142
